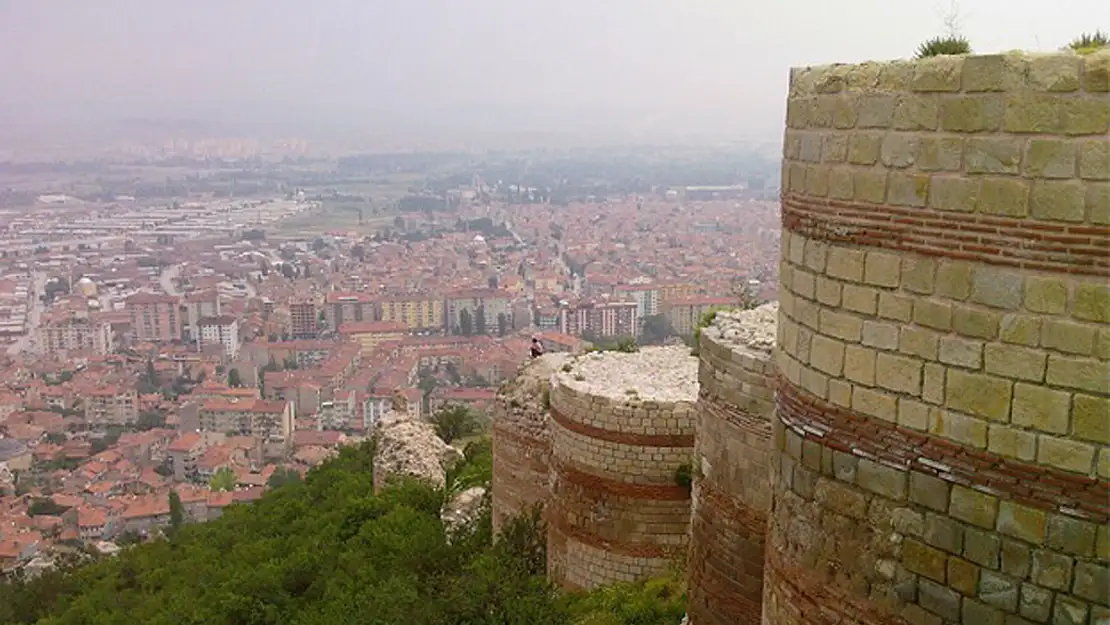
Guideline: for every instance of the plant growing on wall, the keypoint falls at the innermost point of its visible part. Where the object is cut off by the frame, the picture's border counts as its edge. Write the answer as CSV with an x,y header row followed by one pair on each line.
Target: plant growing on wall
x,y
938,46
1089,42
684,475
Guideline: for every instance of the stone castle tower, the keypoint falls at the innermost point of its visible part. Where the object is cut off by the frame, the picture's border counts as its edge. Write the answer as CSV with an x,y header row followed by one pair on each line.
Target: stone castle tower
x,y
928,441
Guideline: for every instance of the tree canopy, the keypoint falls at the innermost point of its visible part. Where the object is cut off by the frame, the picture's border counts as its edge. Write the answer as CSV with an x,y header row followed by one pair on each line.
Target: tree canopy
x,y
327,550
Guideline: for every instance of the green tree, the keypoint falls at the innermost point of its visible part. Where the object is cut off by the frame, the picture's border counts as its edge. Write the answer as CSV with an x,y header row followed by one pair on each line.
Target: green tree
x,y
234,380
283,476
480,320
223,479
502,324
177,513
657,329
466,323
454,422
150,419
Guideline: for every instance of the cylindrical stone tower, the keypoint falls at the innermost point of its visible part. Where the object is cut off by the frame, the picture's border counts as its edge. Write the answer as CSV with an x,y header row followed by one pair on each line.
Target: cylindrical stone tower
x,y
622,426
942,420
732,456
521,445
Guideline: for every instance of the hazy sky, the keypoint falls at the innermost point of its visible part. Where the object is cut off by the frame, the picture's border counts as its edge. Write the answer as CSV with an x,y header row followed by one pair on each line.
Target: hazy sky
x,y
691,64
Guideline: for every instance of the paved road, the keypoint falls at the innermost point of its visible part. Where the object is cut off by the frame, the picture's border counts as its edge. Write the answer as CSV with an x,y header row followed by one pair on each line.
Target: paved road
x,y
169,274
26,343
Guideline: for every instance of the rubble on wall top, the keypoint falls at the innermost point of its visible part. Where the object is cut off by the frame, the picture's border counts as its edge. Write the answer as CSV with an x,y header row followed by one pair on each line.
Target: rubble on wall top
x,y
659,374
754,329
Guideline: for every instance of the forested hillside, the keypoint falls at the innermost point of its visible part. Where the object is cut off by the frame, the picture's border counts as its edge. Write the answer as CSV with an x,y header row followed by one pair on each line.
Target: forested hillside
x,y
329,552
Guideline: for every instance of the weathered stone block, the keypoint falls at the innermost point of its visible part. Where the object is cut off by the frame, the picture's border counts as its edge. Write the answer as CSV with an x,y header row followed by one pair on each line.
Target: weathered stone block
x,y
845,112
1046,295
932,389
859,365
994,72
869,186
827,355
944,533
898,374
841,498
918,274
928,491
1012,443
863,148
940,153
1079,373
1068,611
882,480
1094,159
982,547
1092,582
1050,158
1092,302
916,112
1091,418
1065,453
993,155
939,73
1030,112
817,181
1008,197
898,150
1098,203
1084,116
913,414
973,507
841,325
1068,336
895,76
840,183
973,114
875,111
882,269
1051,570
908,189
1015,558
880,335
1054,72
920,342
940,600
999,591
845,264
932,313
895,306
962,352
1020,329
1019,521
1096,72
861,299
954,193
1041,408
954,278
978,394
970,321
1011,361
875,403
1058,200
1071,535
997,288
1036,603
963,576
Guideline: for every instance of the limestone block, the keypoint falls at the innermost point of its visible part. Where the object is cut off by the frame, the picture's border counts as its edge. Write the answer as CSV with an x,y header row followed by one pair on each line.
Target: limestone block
x,y
882,480
876,111
1091,418
916,112
939,73
898,373
897,76
840,183
1096,72
880,335
920,342
997,288
940,153
1011,361
1098,203
1031,112
841,325
1051,569
1094,159
1079,373
834,147
973,507
1019,521
1041,408
1092,302
958,427
1058,200
978,394
827,355
895,306
1047,295
962,352
1068,336
1012,443
1054,72
918,274
973,114
975,322
1065,453
875,403
993,155
954,193
913,414
994,72
1071,535
861,299
932,313
882,269
908,189
899,150
929,491
954,279
864,148
998,591
1007,197
845,264
1050,158
1086,116
1020,329
859,364
869,186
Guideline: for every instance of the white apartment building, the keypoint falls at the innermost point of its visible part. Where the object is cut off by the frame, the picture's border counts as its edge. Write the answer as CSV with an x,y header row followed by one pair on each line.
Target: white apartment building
x,y
76,334
222,330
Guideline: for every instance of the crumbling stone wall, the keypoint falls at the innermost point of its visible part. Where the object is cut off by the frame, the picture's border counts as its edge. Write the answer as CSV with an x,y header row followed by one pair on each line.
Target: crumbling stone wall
x,y
621,427
521,445
732,456
941,432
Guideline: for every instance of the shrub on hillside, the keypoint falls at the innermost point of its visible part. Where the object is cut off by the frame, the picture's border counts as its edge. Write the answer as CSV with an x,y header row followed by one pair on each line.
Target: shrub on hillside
x,y
1089,42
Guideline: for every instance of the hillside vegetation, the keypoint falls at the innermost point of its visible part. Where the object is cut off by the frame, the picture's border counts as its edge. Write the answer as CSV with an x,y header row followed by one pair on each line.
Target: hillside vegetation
x,y
327,551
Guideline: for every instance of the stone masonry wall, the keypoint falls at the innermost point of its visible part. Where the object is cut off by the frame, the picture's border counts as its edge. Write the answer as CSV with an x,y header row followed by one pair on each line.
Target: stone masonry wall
x,y
941,432
621,425
732,455
521,445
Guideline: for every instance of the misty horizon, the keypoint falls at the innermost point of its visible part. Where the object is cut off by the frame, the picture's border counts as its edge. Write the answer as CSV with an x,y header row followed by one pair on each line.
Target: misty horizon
x,y
628,67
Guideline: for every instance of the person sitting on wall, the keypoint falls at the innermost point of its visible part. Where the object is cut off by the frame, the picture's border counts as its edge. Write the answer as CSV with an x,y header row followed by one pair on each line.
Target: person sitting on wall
x,y
537,347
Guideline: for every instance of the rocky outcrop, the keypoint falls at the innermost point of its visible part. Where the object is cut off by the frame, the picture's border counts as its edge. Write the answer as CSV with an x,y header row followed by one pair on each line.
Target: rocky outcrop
x,y
408,447
463,508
